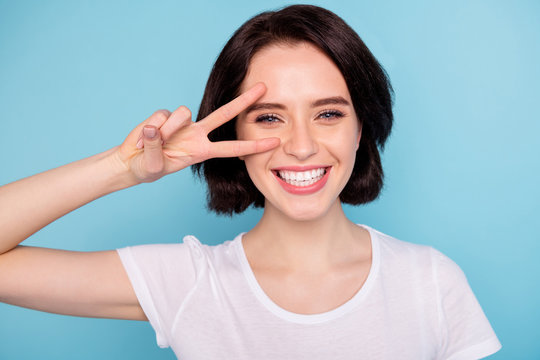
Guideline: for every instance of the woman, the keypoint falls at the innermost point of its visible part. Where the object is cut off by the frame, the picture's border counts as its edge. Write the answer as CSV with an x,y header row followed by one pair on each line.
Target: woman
x,y
296,108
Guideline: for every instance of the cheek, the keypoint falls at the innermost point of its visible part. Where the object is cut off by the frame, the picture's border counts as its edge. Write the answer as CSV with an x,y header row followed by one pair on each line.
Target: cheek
x,y
250,131
241,128
239,132
256,164
345,143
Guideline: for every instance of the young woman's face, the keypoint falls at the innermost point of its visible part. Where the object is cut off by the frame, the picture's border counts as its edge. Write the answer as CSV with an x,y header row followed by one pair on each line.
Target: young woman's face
x,y
308,106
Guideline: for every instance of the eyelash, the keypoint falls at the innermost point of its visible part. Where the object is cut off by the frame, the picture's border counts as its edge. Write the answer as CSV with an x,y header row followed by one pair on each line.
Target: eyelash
x,y
332,113
325,114
266,118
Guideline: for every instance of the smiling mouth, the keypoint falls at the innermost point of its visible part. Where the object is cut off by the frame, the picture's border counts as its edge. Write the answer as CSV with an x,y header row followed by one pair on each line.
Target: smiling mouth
x,y
301,178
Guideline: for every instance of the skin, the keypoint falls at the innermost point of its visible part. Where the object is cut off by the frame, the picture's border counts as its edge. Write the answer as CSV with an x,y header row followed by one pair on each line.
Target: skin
x,y
94,284
307,256
305,253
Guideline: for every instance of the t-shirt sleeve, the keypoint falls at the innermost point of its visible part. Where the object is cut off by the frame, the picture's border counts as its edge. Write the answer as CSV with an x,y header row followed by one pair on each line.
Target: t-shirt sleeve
x,y
467,333
162,276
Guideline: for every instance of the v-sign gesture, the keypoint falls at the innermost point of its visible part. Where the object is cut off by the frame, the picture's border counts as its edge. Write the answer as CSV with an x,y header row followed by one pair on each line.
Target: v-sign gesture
x,y
94,283
168,142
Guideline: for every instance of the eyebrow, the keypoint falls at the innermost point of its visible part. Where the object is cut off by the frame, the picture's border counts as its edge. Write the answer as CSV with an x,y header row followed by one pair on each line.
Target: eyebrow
x,y
264,106
334,100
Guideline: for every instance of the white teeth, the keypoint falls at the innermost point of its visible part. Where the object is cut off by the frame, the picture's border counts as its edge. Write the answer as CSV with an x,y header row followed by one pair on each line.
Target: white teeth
x,y
302,178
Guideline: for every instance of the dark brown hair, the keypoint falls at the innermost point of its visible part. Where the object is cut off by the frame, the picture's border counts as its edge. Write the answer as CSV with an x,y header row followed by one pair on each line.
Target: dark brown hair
x,y
229,187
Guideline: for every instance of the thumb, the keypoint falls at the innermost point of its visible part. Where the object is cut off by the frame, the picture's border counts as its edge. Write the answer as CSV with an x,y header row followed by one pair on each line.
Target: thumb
x,y
153,154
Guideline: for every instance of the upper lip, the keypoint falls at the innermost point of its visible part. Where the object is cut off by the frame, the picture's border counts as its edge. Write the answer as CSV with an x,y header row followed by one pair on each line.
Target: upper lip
x,y
300,167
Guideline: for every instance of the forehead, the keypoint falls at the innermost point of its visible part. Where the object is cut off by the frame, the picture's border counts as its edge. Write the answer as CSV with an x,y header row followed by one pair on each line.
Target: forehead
x,y
298,69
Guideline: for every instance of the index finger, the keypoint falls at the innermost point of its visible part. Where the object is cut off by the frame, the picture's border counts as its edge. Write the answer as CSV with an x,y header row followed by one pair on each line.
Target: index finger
x,y
232,108
234,148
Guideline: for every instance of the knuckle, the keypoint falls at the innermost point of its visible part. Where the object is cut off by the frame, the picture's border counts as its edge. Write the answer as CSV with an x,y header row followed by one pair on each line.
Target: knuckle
x,y
184,111
151,143
161,115
226,112
237,148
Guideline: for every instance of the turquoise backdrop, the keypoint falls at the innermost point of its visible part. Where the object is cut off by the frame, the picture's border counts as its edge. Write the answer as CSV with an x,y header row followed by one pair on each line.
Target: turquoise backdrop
x,y
462,171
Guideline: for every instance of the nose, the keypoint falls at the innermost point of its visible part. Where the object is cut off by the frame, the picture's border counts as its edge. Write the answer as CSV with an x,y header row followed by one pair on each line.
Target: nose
x,y
300,142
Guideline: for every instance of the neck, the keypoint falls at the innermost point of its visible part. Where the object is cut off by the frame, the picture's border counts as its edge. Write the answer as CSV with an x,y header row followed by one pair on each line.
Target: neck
x,y
314,244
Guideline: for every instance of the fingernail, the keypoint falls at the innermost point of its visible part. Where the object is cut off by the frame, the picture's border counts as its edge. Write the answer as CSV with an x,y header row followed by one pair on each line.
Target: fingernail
x,y
140,143
150,132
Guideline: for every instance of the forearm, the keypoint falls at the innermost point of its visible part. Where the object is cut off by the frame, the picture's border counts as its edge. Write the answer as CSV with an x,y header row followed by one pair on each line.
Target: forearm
x,y
162,144
30,204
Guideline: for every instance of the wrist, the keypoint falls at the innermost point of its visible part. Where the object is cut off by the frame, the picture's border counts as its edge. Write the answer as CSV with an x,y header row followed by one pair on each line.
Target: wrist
x,y
119,175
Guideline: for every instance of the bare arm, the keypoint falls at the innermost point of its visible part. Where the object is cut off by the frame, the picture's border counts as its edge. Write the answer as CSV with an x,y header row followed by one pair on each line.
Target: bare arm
x,y
95,283
91,284
30,204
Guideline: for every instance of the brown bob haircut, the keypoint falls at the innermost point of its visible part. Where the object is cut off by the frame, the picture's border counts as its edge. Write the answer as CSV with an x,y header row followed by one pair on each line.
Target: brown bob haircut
x,y
230,190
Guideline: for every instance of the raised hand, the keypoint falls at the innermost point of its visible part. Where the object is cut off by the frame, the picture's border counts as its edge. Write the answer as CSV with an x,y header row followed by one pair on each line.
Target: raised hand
x,y
167,142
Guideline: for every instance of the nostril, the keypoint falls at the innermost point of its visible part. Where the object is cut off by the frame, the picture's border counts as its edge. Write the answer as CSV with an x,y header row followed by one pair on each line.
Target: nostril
x,y
300,145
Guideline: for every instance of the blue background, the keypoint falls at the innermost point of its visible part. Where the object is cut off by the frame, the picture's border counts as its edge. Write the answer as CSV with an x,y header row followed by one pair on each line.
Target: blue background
x,y
461,165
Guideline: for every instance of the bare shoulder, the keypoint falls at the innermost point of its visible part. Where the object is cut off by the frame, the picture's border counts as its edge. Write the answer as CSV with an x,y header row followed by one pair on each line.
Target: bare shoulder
x,y
90,284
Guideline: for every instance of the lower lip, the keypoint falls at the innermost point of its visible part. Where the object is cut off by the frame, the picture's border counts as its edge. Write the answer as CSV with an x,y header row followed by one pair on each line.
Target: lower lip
x,y
304,190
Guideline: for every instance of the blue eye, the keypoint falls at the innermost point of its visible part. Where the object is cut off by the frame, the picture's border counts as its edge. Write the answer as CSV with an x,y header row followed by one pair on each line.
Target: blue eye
x,y
330,114
267,118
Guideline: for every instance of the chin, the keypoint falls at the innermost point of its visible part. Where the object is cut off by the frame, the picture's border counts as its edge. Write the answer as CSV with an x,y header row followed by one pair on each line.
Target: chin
x,y
304,212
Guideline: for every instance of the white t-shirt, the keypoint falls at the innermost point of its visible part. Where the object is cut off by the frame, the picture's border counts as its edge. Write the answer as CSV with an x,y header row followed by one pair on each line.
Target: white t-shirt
x,y
205,303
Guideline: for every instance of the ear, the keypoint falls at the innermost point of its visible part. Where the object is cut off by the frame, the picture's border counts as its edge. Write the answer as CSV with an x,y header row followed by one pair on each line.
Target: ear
x,y
359,137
